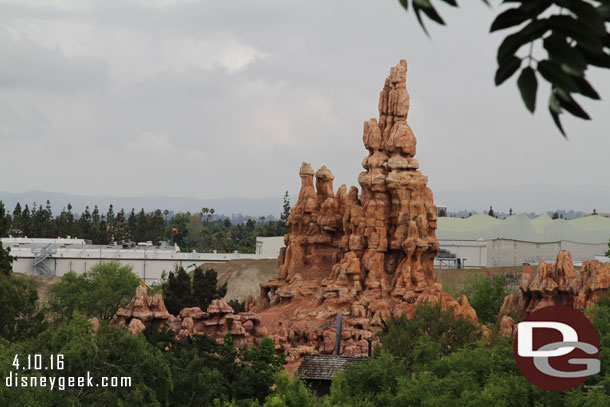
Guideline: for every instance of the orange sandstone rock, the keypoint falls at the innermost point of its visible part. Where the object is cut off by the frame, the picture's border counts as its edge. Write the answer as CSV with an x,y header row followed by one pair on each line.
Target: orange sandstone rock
x,y
219,320
368,256
557,284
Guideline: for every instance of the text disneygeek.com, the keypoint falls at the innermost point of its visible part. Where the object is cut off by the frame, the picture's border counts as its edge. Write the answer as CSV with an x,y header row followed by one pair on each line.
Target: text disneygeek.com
x,y
29,369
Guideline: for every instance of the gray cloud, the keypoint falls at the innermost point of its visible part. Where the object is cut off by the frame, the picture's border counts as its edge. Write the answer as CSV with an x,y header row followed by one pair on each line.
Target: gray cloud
x,y
215,99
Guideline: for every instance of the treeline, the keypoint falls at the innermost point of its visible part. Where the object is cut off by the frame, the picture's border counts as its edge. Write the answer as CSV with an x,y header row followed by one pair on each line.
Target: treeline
x,y
433,359
202,231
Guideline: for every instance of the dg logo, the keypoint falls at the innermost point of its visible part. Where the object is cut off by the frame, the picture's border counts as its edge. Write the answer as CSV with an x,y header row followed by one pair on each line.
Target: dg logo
x,y
557,348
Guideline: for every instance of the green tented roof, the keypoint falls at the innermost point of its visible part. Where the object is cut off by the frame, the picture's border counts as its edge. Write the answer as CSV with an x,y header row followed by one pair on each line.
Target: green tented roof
x,y
590,229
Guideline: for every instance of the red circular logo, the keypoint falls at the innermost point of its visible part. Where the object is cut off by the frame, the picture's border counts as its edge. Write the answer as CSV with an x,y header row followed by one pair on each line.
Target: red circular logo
x,y
557,348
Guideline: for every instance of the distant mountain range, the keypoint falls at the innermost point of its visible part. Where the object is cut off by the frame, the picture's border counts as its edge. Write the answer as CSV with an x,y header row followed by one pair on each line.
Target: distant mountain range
x,y
522,198
222,206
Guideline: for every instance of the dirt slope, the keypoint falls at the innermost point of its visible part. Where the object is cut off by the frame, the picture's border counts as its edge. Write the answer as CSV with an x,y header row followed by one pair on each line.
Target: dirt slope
x,y
243,276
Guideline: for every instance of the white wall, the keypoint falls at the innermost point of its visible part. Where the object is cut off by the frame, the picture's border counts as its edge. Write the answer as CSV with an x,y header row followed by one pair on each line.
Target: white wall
x,y
474,251
269,247
148,270
511,253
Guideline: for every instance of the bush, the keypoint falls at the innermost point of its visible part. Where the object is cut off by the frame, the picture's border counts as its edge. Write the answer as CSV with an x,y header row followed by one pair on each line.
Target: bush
x,y
20,314
486,296
179,292
432,333
98,293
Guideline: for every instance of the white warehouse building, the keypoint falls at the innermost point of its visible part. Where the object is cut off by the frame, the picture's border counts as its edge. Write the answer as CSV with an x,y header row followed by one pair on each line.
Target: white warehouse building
x,y
484,241
59,256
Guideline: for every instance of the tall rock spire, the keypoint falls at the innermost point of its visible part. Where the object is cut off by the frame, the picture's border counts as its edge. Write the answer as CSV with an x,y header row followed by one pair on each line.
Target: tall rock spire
x,y
369,256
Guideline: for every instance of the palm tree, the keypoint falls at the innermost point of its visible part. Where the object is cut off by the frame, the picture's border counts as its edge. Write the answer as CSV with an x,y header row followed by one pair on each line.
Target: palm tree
x,y
204,212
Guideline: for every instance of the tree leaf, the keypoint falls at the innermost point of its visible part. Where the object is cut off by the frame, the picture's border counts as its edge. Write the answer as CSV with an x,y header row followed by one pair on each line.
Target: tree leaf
x,y
554,103
404,4
451,2
433,15
585,13
598,59
581,32
417,10
568,103
509,18
507,69
528,86
585,89
513,42
554,74
555,111
423,3
560,51
604,11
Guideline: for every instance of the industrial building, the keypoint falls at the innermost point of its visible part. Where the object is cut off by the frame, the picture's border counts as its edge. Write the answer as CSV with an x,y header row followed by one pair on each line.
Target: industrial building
x,y
477,241
59,256
484,241
269,247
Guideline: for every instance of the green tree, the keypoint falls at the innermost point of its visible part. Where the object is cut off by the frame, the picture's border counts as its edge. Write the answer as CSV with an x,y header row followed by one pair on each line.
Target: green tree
x,y
431,334
573,33
17,221
157,227
290,392
72,294
6,261
120,227
84,224
178,292
26,222
99,292
107,352
286,208
111,224
486,295
132,223
21,316
205,288
491,212
141,231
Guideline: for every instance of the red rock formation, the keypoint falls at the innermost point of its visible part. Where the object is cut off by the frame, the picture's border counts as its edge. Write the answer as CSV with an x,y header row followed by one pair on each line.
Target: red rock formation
x,y
369,257
220,319
556,284
559,284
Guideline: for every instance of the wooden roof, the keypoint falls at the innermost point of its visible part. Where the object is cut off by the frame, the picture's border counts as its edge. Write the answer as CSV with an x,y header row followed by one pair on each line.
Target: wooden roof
x,y
323,367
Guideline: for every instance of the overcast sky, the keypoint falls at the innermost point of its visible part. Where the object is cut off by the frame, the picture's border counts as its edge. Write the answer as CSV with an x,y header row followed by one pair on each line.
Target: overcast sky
x,y
227,98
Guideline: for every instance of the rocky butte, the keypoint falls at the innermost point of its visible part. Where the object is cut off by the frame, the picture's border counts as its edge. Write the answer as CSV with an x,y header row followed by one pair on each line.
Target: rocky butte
x,y
368,255
555,284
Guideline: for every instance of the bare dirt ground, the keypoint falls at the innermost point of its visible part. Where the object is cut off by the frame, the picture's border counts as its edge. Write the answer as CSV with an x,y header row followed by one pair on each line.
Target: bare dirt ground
x,y
453,280
42,283
243,277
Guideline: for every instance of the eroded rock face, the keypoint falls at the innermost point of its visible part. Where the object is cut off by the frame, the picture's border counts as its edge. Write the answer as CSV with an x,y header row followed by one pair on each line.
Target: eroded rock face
x,y
218,320
368,256
559,284
556,284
